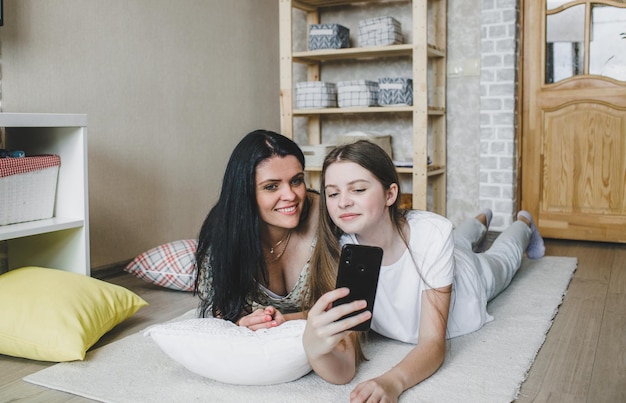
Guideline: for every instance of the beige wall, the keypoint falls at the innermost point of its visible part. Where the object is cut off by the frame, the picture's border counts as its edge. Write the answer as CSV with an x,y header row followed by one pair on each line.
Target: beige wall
x,y
169,87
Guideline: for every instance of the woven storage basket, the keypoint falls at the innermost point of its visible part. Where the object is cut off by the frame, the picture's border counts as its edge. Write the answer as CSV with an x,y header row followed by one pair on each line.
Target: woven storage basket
x,y
28,188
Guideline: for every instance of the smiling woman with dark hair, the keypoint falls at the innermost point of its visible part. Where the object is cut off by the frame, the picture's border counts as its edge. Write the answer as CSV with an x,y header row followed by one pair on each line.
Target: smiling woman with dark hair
x,y
256,242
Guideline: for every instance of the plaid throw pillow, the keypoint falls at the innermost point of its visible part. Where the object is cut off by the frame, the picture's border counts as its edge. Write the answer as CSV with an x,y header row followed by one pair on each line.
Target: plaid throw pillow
x,y
171,265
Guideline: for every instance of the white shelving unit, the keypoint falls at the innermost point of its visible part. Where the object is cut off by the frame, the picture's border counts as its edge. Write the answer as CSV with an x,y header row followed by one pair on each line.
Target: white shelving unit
x,y
61,242
426,50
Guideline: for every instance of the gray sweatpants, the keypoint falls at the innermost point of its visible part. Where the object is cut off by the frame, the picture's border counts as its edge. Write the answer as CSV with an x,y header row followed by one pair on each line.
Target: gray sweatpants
x,y
501,261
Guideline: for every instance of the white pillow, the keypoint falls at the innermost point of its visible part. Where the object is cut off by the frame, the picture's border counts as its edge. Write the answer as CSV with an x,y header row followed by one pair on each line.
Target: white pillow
x,y
221,350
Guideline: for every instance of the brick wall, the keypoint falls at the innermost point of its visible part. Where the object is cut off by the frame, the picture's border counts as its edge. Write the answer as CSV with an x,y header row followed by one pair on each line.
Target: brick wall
x,y
498,118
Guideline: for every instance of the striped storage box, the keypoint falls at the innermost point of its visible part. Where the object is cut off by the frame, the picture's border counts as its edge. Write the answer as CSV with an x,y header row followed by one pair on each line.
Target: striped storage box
x,y
357,93
316,94
28,188
328,36
379,31
394,91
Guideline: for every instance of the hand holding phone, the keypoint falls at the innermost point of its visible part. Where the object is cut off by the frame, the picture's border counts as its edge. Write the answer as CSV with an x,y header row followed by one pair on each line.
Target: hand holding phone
x,y
359,268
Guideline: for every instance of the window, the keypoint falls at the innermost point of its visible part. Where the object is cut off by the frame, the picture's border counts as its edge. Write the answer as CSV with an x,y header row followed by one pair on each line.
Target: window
x,y
586,39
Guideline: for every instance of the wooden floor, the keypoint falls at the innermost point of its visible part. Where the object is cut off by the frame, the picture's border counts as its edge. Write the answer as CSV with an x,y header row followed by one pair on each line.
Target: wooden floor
x,y
582,360
584,356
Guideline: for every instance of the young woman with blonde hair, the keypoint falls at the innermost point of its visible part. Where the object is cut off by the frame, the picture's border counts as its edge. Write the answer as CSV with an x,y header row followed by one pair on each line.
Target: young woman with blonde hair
x,y
433,284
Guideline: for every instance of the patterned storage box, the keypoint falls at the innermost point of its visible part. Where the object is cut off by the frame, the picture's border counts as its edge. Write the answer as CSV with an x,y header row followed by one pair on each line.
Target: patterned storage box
x,y
28,188
379,31
328,36
314,154
357,93
316,94
395,91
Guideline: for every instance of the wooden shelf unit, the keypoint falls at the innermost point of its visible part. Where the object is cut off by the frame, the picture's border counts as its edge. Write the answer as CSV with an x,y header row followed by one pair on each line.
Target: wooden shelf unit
x,y
427,56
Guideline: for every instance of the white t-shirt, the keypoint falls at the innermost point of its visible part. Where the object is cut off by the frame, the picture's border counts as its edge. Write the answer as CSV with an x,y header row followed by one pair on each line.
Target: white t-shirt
x,y
398,298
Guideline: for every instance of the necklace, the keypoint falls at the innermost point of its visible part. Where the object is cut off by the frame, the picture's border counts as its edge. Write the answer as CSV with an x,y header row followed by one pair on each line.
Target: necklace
x,y
279,242
284,241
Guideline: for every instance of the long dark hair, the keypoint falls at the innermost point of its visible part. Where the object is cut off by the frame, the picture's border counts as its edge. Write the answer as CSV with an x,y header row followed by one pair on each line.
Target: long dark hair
x,y
229,243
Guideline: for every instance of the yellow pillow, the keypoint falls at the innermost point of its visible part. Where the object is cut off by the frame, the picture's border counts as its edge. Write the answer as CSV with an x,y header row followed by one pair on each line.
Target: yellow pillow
x,y
53,315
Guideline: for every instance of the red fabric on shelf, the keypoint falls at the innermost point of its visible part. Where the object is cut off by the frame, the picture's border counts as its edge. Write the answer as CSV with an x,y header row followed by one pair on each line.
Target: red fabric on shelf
x,y
14,166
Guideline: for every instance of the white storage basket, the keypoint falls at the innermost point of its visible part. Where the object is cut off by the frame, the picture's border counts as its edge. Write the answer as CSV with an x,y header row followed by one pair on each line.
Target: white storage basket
x,y
28,188
356,93
316,94
380,31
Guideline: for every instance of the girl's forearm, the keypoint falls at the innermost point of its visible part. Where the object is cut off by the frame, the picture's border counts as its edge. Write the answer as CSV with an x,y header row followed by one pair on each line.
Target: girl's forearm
x,y
423,361
338,366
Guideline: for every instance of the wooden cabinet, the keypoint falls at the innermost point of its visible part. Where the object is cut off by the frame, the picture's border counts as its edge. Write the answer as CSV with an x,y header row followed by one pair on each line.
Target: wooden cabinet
x,y
425,53
61,242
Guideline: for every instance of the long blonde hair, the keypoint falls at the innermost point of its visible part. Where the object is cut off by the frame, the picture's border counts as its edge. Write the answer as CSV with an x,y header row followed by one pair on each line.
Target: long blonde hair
x,y
325,259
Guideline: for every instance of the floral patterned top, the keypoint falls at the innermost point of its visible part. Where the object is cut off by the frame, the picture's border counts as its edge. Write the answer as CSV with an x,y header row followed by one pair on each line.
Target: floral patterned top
x,y
292,302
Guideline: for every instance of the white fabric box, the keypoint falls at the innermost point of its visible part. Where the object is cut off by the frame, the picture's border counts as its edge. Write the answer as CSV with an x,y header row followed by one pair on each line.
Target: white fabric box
x,y
380,31
28,188
328,36
394,91
314,154
357,93
316,94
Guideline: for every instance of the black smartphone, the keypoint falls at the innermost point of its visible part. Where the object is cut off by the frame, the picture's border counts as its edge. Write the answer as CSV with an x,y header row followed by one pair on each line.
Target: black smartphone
x,y
359,268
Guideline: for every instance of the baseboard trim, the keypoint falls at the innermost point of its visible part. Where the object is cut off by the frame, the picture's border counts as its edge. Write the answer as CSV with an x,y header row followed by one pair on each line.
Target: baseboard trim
x,y
110,270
